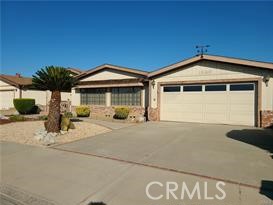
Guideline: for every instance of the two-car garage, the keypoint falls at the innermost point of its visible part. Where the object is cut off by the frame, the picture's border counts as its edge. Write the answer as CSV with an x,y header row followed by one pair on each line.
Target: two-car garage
x,y
213,89
225,103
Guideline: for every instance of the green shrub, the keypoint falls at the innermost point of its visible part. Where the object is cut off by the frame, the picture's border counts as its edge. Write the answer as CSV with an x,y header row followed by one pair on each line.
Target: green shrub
x,y
24,105
121,112
83,111
35,109
43,117
68,114
16,118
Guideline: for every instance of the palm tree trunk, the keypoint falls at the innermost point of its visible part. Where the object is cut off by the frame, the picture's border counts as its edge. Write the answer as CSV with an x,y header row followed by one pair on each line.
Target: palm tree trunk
x,y
53,122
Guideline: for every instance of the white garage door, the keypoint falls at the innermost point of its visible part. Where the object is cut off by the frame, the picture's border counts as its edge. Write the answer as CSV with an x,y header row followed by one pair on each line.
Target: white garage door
x,y
211,103
6,99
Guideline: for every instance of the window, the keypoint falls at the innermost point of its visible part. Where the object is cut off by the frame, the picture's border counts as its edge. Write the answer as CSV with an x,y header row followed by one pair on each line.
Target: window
x,y
93,96
215,88
192,88
171,89
126,96
241,87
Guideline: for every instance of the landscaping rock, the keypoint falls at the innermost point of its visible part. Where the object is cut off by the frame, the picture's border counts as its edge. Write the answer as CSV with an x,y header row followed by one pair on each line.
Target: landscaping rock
x,y
3,117
40,134
49,138
63,132
45,137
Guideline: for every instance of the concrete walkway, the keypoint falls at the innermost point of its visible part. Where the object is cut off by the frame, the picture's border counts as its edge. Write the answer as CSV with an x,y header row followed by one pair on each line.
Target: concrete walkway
x,y
114,125
67,178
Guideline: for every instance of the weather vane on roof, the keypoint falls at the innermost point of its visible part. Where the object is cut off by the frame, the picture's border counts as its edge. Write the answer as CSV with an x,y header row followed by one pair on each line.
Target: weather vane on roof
x,y
201,49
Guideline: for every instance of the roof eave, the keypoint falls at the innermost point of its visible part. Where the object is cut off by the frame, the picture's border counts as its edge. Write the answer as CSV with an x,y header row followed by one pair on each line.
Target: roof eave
x,y
105,66
221,59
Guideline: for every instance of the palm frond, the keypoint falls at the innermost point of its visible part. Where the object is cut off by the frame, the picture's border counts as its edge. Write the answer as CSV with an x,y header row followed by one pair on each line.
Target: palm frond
x,y
53,78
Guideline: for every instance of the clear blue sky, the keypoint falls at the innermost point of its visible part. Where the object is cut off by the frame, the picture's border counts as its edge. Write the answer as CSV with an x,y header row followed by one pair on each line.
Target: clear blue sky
x,y
144,35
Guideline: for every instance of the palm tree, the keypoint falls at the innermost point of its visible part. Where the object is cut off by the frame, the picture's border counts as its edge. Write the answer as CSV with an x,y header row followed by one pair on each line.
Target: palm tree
x,y
55,79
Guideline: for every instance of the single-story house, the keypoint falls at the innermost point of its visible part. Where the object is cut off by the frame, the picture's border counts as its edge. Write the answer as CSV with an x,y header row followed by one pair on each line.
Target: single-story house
x,y
206,89
17,86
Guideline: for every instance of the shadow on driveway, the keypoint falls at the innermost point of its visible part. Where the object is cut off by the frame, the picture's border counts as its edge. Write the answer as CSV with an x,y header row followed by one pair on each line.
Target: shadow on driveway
x,y
261,138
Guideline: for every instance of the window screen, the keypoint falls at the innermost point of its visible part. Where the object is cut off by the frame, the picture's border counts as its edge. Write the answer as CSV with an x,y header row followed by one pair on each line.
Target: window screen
x,y
192,88
93,96
171,89
126,96
215,88
241,87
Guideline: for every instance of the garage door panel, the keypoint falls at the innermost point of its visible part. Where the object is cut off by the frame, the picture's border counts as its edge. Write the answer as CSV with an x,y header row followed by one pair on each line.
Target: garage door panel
x,y
6,99
242,108
228,107
215,118
215,108
243,98
194,98
215,98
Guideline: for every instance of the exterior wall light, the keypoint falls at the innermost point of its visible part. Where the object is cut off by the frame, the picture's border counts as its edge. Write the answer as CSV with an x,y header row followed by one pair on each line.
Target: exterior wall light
x,y
266,79
153,83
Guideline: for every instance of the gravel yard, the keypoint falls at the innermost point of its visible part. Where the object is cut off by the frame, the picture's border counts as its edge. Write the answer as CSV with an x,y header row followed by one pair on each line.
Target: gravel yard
x,y
23,132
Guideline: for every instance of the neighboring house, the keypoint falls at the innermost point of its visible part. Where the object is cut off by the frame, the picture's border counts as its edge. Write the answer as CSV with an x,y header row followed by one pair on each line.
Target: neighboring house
x,y
20,87
75,71
11,87
206,89
108,86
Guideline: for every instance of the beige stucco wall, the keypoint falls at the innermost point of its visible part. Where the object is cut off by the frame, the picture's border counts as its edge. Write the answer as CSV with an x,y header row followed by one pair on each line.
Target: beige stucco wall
x,y
76,97
216,71
39,96
43,97
110,75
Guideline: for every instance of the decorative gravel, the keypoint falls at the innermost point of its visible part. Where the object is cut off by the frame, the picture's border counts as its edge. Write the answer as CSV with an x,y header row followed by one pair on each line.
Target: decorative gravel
x,y
23,132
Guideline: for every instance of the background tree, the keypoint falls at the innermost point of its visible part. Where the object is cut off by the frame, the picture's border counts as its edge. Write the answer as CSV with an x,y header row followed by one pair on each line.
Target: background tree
x,y
55,79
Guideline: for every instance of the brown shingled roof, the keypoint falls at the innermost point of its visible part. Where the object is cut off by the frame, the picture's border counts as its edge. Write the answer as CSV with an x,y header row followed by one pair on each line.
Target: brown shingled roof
x,y
76,71
114,67
16,80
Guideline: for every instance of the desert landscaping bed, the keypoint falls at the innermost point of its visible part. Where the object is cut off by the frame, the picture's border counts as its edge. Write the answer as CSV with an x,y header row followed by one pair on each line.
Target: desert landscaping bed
x,y
23,132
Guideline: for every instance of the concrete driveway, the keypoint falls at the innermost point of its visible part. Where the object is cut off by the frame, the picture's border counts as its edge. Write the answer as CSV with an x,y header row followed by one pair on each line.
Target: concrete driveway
x,y
232,153
115,168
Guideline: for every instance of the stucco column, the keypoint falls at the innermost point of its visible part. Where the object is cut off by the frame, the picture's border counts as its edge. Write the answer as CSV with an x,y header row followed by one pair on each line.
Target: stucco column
x,y
75,97
108,97
142,97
